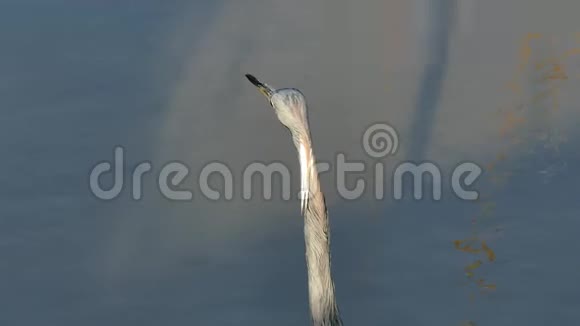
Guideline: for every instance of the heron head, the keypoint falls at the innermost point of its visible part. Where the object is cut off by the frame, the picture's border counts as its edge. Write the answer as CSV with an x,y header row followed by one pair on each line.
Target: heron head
x,y
289,105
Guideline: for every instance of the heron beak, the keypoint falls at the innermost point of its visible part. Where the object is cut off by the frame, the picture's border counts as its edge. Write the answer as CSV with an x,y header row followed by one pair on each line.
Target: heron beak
x,y
263,88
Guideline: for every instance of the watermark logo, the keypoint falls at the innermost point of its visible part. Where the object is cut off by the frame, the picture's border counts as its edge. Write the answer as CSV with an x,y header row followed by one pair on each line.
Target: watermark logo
x,y
379,141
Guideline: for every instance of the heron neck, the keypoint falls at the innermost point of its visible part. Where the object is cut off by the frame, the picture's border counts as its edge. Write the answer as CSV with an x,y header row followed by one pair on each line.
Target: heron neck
x,y
323,306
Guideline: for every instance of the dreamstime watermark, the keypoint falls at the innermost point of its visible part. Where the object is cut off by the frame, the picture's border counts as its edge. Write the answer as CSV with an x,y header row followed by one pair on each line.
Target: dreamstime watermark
x,y
379,141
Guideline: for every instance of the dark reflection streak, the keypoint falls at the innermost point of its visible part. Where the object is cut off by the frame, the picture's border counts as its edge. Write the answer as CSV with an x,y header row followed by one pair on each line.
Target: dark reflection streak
x,y
441,24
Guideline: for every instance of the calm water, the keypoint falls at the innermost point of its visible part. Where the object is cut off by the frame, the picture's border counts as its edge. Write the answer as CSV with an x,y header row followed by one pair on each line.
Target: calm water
x,y
165,81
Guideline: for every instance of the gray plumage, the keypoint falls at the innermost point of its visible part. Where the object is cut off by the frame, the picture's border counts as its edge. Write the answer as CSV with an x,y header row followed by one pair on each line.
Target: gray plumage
x,y
290,107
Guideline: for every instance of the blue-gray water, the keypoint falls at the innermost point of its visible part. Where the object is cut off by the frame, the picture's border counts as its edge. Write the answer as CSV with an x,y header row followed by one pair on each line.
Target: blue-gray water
x,y
165,81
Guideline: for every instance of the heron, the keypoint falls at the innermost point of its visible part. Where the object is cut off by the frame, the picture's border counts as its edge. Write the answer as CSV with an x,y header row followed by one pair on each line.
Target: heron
x,y
290,107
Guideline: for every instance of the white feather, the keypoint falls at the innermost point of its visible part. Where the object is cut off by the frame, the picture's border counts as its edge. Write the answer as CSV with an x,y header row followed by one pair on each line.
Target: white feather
x,y
304,182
